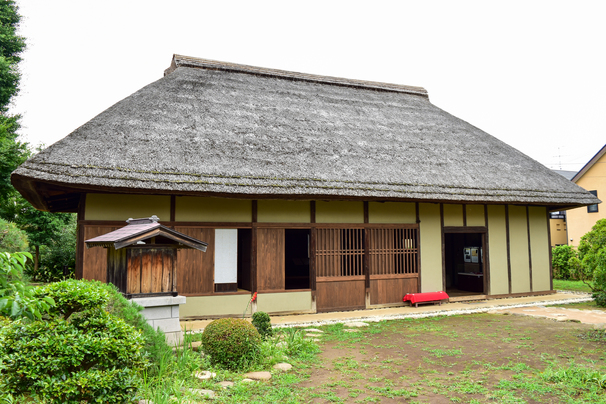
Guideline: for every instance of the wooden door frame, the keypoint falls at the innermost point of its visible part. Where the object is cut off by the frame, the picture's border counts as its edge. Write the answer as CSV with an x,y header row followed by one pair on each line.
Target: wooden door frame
x,y
483,231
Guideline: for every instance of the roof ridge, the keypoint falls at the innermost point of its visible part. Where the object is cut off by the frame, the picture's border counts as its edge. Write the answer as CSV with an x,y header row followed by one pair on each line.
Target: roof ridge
x,y
188,61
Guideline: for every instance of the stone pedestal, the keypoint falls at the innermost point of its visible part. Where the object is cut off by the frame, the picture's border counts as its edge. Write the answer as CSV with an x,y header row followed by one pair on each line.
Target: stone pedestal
x,y
163,312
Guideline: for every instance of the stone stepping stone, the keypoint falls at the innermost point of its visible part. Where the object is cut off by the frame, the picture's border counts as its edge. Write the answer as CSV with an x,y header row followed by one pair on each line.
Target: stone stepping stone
x,y
310,335
314,330
283,366
196,346
205,375
146,402
247,380
204,392
356,324
225,384
351,330
258,375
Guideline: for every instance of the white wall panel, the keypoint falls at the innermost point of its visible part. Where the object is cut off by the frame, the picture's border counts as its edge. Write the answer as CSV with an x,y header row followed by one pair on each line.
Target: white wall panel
x,y
226,255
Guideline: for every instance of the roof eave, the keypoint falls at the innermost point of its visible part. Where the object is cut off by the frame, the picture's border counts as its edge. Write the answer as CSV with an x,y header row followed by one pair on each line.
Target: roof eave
x,y
589,164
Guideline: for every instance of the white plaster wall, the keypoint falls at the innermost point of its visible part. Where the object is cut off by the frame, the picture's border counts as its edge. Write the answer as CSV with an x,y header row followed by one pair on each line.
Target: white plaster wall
x,y
226,255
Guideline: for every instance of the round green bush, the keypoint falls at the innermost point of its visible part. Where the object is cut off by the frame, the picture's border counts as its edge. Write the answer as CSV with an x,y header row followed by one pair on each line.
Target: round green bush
x,y
262,323
231,343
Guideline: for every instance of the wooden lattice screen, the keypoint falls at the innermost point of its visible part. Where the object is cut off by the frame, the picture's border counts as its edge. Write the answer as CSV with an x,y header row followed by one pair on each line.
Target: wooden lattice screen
x,y
392,251
340,252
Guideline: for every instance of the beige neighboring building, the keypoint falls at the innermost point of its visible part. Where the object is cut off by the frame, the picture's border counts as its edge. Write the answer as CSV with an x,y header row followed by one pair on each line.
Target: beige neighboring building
x,y
592,177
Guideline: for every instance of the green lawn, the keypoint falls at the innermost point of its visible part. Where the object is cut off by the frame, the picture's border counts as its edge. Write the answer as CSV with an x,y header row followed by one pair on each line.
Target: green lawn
x,y
561,284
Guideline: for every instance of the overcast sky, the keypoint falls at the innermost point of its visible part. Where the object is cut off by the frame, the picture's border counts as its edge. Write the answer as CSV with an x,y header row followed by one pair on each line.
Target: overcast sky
x,y
531,73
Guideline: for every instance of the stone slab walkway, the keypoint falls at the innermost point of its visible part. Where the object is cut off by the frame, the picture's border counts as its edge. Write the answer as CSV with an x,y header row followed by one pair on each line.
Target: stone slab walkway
x,y
595,317
446,309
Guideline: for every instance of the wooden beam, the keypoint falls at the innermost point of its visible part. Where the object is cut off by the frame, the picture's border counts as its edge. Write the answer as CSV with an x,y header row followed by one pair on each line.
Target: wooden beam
x,y
78,271
470,229
443,247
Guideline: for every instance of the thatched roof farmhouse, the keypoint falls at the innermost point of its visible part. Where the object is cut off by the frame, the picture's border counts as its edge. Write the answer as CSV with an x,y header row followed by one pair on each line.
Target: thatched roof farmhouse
x,y
222,147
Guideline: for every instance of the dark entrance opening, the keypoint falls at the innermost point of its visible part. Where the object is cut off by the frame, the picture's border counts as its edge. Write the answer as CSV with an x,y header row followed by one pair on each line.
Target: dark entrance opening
x,y
244,259
464,271
296,258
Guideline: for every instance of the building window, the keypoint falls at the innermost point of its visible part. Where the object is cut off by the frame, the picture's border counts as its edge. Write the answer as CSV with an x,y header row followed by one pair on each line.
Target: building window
x,y
593,208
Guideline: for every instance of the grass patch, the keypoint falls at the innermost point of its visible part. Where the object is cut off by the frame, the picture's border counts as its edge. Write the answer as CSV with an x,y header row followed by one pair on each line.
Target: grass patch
x,y
591,305
578,286
173,377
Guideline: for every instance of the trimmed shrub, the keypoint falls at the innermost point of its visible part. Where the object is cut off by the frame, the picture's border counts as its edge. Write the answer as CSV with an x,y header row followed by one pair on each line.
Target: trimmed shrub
x,y
17,298
77,352
231,343
262,323
600,298
590,266
12,239
561,256
155,342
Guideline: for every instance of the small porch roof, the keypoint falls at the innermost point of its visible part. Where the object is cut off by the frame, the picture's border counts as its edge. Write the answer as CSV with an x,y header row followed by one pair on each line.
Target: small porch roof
x,y
139,230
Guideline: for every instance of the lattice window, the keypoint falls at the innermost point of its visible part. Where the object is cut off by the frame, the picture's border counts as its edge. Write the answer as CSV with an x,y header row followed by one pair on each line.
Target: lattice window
x,y
393,251
339,252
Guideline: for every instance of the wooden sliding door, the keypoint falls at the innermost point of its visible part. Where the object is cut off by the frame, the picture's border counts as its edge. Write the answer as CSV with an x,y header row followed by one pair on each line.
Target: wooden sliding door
x,y
393,264
339,260
270,259
389,253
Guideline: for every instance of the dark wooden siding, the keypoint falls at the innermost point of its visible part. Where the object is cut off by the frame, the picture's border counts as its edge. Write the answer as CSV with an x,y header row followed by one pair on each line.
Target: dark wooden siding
x,y
340,294
270,259
391,290
196,272
95,259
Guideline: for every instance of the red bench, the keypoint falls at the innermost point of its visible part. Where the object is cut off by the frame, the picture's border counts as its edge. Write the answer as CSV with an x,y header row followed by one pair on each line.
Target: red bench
x,y
427,297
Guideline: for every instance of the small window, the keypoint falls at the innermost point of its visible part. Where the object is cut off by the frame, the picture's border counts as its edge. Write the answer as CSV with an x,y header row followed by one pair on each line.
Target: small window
x,y
593,208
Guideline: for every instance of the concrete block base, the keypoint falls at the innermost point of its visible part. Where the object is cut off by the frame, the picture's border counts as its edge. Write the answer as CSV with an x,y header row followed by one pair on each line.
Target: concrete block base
x,y
163,312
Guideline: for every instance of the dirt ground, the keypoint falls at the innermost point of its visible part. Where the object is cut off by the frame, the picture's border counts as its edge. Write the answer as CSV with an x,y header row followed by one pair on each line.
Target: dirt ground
x,y
470,358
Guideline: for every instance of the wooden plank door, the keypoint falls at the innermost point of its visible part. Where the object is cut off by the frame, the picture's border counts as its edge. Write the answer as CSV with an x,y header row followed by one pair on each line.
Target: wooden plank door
x,y
270,259
196,269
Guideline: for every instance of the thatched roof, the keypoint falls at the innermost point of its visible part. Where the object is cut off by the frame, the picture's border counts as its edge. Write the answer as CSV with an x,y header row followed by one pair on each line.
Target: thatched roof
x,y
214,128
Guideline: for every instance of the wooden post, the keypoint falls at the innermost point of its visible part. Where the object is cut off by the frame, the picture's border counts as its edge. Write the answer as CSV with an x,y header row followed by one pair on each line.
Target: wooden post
x,y
253,250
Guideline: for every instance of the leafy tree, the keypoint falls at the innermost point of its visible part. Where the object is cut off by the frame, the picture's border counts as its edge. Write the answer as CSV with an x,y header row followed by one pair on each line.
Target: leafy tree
x,y
12,151
59,253
43,228
590,266
560,257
